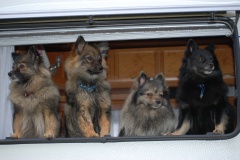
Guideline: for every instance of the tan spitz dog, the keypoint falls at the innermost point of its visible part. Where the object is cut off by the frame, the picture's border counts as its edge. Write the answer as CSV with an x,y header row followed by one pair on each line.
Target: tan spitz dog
x,y
34,96
88,108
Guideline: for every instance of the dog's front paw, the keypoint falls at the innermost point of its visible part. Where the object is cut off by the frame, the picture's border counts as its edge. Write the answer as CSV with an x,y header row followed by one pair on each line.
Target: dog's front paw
x,y
217,131
93,134
104,132
16,135
49,135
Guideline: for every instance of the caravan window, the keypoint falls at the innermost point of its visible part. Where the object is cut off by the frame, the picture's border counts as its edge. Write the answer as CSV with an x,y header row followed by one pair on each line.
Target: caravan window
x,y
153,43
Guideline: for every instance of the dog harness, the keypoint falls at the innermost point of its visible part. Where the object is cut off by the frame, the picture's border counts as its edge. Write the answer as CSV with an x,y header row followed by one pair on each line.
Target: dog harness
x,y
88,89
202,89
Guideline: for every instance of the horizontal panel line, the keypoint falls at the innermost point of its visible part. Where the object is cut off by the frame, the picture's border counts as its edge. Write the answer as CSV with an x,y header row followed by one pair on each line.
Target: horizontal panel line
x,y
48,39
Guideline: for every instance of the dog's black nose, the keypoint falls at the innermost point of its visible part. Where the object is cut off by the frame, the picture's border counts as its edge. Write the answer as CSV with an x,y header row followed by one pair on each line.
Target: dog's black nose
x,y
9,74
158,101
211,65
100,68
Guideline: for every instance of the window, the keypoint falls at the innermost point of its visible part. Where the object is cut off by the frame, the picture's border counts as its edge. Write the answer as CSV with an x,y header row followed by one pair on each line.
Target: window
x,y
159,40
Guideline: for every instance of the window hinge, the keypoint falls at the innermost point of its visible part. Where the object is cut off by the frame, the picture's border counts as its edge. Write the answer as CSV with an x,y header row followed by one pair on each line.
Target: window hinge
x,y
212,15
90,20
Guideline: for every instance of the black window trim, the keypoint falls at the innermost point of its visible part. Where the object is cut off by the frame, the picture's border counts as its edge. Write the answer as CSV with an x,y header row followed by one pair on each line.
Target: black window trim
x,y
210,136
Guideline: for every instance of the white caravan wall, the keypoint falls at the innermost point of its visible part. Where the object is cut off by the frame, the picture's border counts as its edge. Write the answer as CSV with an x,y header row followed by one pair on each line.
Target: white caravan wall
x,y
159,150
47,8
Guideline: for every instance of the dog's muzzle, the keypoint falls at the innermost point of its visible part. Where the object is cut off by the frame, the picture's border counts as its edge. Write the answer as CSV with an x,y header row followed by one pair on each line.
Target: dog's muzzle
x,y
157,104
209,69
12,77
96,70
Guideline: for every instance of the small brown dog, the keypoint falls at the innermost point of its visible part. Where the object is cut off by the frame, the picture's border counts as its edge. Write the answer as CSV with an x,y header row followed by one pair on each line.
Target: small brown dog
x,y
34,96
88,108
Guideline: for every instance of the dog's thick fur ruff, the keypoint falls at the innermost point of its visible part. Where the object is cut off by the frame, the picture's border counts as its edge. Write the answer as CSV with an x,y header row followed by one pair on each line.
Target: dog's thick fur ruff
x,y
147,111
88,108
202,94
34,96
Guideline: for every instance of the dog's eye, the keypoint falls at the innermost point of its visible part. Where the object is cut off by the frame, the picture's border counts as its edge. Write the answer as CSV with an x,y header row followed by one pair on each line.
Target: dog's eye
x,y
21,66
201,58
89,58
161,95
149,94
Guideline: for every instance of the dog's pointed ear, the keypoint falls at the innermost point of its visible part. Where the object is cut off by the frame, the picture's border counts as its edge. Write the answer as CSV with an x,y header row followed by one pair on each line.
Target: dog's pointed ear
x,y
103,47
210,48
15,56
161,79
191,47
35,57
141,79
79,44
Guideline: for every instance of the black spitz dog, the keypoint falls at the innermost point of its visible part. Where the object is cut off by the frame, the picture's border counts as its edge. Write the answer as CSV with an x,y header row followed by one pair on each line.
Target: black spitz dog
x,y
202,94
147,110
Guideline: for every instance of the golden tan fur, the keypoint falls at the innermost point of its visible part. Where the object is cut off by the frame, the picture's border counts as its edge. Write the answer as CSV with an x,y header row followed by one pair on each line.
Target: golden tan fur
x,y
35,99
87,113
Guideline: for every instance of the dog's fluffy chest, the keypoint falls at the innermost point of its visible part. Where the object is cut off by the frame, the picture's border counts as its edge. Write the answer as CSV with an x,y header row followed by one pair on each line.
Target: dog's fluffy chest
x,y
25,100
88,99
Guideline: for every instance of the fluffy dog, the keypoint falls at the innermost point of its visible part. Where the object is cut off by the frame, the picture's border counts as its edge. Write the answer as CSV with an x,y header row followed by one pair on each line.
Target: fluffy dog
x,y
88,107
202,94
147,110
34,96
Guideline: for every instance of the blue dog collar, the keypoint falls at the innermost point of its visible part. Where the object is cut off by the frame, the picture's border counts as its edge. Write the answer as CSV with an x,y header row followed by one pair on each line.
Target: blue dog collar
x,y
88,89
202,89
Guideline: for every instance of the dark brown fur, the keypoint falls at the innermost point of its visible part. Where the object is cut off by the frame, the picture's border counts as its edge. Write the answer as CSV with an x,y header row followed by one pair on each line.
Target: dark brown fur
x,y
147,109
35,98
87,113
